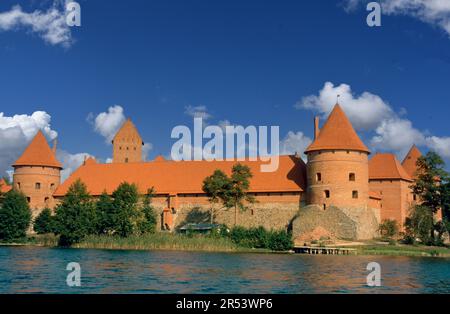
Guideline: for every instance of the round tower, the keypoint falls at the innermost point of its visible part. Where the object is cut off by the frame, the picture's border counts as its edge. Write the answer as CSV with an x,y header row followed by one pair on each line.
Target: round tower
x,y
337,168
37,173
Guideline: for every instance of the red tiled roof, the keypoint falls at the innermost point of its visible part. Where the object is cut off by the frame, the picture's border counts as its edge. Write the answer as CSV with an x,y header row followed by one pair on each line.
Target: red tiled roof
x,y
171,177
337,133
4,187
409,163
386,166
38,153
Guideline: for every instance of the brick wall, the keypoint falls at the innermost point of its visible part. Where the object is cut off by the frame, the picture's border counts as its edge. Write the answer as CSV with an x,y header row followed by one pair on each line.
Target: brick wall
x,y
335,169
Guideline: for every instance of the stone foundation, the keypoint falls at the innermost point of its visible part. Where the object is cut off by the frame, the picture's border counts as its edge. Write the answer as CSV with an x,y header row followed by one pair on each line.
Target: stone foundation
x,y
340,223
271,216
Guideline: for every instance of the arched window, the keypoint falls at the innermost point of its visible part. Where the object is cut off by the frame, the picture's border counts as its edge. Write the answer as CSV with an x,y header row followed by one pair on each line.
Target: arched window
x,y
326,193
37,186
351,176
355,194
318,177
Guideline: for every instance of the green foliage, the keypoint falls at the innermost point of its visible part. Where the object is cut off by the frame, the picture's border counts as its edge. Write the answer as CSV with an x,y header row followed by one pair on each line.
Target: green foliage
x,y
125,207
280,241
15,216
418,225
231,192
389,228
105,214
76,216
431,186
44,222
148,221
261,238
216,187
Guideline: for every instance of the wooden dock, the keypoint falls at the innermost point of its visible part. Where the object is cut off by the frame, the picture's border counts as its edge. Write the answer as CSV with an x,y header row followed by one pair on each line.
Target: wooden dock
x,y
324,250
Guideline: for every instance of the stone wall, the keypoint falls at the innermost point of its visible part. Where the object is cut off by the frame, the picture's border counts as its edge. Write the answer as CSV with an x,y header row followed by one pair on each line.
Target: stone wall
x,y
274,216
340,223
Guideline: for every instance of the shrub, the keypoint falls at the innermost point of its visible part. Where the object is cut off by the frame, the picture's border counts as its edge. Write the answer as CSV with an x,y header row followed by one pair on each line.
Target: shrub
x,y
261,238
389,228
15,216
280,241
44,222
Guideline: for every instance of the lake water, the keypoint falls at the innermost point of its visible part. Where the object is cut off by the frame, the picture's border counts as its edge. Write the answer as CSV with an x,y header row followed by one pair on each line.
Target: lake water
x,y
43,270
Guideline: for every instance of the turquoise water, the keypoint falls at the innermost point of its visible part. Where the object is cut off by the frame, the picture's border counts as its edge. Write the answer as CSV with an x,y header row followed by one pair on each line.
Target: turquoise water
x,y
43,270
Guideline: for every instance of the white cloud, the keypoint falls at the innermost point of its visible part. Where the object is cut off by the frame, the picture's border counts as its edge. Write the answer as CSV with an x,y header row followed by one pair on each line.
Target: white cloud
x,y
50,25
441,145
108,123
294,142
70,162
17,131
397,135
365,111
197,112
146,150
434,12
369,112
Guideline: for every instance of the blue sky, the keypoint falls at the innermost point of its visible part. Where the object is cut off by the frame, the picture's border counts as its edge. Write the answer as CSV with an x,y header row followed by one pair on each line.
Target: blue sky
x,y
247,62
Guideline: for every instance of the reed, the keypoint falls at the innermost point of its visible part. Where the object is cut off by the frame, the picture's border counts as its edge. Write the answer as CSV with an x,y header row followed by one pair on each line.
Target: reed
x,y
160,241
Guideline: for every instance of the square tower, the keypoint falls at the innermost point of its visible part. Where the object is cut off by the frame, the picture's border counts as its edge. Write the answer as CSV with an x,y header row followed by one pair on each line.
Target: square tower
x,y
127,144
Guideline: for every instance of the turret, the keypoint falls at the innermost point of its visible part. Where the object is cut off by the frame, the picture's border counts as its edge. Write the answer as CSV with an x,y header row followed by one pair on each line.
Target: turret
x,y
337,168
37,174
127,144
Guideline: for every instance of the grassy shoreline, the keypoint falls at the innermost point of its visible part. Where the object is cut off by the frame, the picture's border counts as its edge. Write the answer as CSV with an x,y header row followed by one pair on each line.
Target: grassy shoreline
x,y
176,242
402,250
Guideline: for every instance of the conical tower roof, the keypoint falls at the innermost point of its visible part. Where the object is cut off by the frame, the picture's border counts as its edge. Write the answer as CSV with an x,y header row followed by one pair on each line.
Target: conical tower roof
x,y
38,153
337,133
410,161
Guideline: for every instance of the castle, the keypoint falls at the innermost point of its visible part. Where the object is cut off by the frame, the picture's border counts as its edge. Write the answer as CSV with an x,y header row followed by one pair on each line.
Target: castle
x,y
338,179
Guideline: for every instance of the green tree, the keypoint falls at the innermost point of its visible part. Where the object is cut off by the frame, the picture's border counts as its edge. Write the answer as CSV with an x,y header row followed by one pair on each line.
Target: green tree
x,y
148,221
446,205
237,194
430,187
125,206
44,222
15,216
105,214
216,187
75,217
418,225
